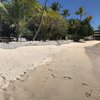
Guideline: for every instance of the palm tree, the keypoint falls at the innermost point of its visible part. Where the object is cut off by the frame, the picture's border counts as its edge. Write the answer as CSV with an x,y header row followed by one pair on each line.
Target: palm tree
x,y
41,20
65,13
2,7
0,16
87,20
74,25
80,12
20,13
56,6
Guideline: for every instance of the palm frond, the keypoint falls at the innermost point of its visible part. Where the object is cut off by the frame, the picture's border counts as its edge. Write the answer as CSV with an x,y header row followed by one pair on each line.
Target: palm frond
x,y
3,8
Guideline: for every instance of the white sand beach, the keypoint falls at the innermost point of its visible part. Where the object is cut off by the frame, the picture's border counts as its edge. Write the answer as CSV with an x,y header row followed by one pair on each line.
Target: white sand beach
x,y
15,62
49,72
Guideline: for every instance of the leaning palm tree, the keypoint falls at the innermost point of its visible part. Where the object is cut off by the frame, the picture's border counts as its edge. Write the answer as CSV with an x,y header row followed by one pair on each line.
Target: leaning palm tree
x,y
2,8
80,12
65,13
0,16
41,20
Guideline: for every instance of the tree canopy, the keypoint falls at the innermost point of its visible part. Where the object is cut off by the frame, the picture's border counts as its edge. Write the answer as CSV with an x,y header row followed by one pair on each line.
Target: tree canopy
x,y
34,21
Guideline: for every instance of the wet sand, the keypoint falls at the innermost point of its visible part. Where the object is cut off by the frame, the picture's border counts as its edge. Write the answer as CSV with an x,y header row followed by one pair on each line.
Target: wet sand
x,y
69,76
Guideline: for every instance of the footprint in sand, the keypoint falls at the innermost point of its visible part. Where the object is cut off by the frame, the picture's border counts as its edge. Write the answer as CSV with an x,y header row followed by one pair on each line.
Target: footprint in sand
x,y
17,78
88,93
50,70
46,79
23,77
69,78
84,84
3,77
53,75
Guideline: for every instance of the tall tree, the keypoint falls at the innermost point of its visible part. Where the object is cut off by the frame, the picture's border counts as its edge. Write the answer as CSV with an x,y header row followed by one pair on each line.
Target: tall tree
x,y
80,12
20,12
74,25
79,29
41,20
56,6
65,13
0,16
87,20
2,8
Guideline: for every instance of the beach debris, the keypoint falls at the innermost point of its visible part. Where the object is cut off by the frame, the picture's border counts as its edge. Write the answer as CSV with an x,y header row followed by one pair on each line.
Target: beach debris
x,y
84,84
53,75
67,77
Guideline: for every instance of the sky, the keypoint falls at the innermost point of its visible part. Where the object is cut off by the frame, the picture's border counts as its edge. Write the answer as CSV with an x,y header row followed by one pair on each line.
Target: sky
x,y
92,7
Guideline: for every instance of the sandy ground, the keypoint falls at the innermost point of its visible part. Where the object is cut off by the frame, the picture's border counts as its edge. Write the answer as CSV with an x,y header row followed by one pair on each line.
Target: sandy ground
x,y
71,75
13,45
14,63
94,55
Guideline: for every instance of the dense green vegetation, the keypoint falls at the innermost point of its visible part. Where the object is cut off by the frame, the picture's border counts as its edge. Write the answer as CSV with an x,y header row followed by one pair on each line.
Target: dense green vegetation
x,y
34,21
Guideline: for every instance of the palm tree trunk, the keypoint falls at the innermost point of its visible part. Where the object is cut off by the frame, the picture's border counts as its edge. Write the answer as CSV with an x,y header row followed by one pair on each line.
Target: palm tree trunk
x,y
0,23
41,21
17,23
76,38
81,17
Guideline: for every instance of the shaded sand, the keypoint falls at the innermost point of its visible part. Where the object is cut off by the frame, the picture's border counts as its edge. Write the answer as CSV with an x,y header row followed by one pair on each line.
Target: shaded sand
x,y
69,76
94,55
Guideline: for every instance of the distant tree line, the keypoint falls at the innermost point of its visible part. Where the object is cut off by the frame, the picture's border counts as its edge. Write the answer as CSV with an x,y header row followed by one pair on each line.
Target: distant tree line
x,y
34,21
